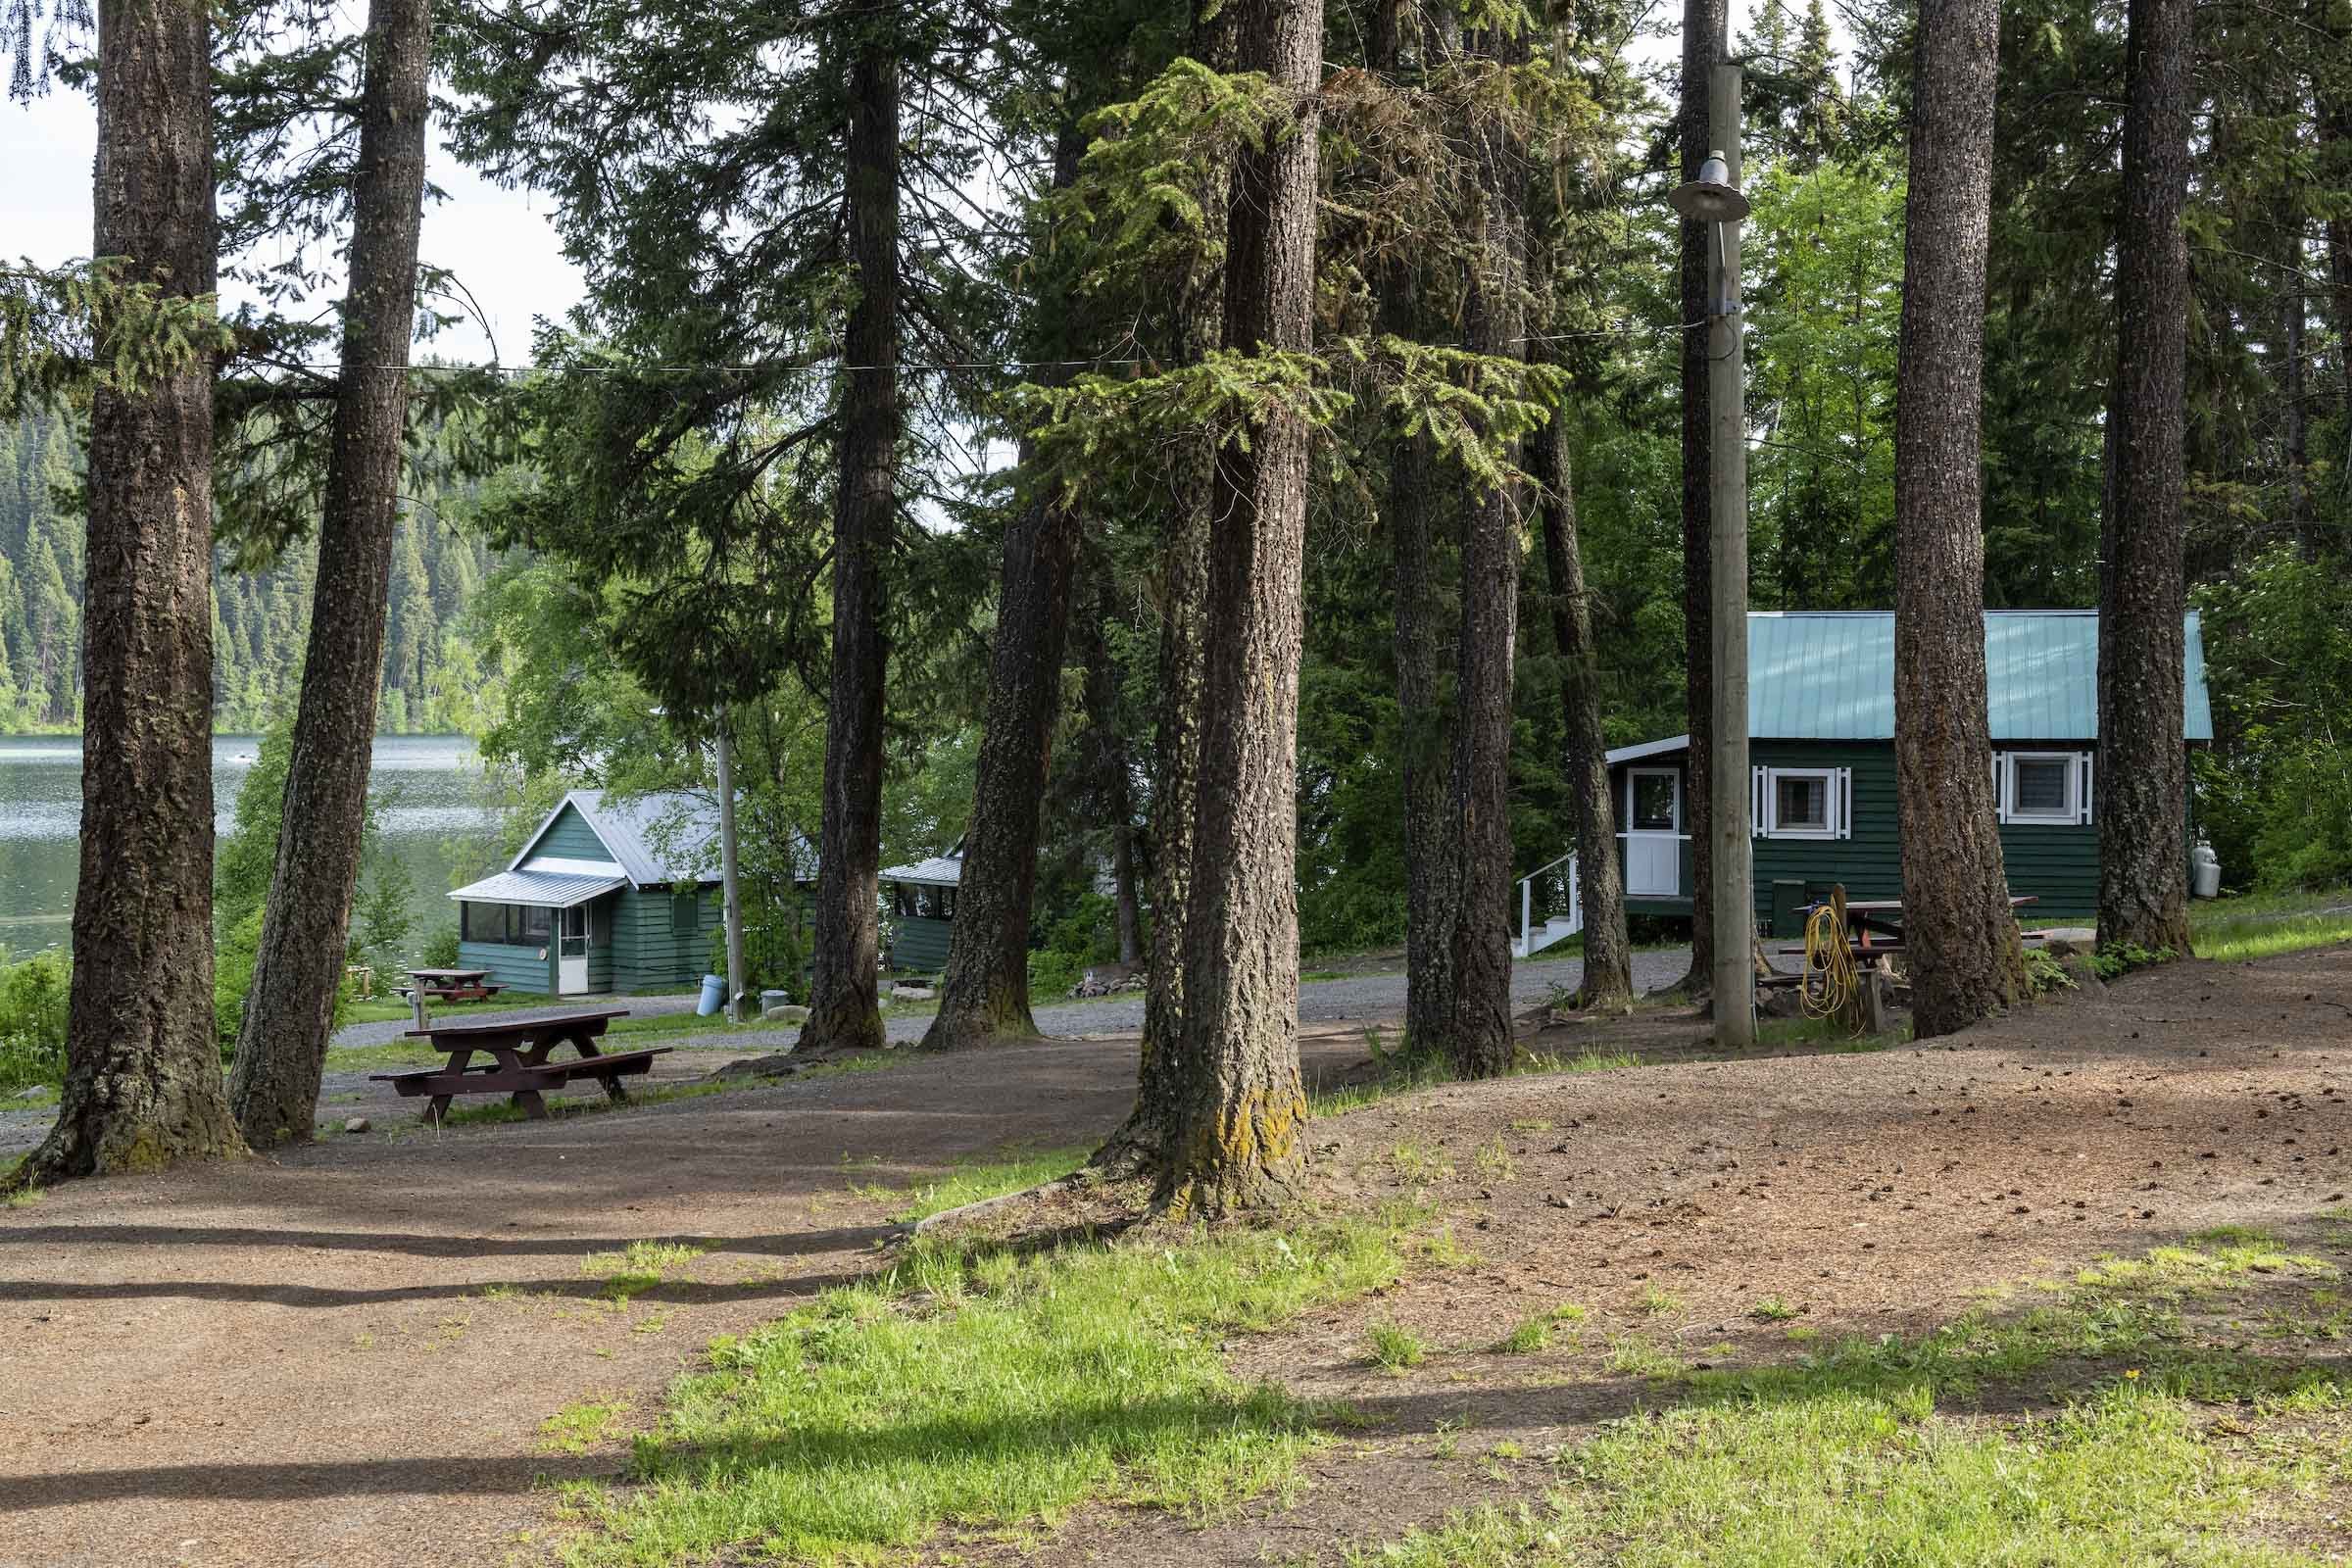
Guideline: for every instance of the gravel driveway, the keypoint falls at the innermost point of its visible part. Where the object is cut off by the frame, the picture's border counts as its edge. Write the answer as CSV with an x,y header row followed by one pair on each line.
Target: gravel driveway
x,y
1360,995
1357,996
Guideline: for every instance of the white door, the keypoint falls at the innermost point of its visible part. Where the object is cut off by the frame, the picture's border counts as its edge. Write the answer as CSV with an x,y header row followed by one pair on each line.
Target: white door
x,y
1654,832
572,952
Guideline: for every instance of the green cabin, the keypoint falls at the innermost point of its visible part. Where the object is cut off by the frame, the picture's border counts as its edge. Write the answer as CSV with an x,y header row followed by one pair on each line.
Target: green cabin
x,y
919,901
1821,751
605,896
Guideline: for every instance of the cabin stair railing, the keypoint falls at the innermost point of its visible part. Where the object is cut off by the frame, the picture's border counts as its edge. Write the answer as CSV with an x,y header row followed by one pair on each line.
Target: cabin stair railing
x,y
1533,938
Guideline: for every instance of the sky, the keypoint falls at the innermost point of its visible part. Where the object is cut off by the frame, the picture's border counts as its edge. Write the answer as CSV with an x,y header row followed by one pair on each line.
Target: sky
x,y
500,243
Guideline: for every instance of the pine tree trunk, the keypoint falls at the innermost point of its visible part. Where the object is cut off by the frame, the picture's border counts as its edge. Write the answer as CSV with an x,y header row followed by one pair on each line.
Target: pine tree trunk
x,y
1113,802
1235,1140
1480,1038
1161,1076
844,1007
1431,865
142,1082
289,1014
1966,960
1600,885
2143,776
1703,24
985,998
986,995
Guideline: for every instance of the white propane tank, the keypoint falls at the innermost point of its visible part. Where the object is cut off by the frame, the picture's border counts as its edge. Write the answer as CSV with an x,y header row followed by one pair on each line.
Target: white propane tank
x,y
2204,871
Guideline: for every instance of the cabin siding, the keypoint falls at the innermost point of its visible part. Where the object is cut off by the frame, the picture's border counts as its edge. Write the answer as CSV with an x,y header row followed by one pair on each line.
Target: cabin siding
x,y
647,953
517,968
2057,865
921,944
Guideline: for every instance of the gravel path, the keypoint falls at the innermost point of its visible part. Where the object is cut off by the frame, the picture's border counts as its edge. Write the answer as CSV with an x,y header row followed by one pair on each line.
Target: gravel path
x,y
1360,995
1365,997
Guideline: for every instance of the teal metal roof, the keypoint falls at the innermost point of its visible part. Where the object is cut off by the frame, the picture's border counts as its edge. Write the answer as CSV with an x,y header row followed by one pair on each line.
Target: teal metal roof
x,y
1822,676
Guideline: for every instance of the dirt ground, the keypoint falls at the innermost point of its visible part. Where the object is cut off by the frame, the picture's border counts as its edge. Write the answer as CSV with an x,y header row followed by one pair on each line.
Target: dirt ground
x,y
345,1358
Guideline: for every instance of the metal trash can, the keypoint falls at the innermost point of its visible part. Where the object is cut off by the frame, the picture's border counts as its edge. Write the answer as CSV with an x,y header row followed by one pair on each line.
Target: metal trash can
x,y
714,994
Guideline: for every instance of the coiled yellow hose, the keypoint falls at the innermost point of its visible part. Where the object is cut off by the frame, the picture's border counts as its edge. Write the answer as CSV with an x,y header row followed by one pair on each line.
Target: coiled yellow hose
x,y
1830,956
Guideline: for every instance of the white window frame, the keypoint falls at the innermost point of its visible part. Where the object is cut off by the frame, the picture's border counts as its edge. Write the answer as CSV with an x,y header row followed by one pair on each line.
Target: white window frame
x,y
2077,811
1671,774
1837,800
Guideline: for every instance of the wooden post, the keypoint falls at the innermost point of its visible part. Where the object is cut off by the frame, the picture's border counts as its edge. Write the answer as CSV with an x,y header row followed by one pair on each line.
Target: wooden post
x,y
731,897
1731,873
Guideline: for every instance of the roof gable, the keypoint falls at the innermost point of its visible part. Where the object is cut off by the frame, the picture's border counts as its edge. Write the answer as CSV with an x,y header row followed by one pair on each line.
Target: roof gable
x,y
653,838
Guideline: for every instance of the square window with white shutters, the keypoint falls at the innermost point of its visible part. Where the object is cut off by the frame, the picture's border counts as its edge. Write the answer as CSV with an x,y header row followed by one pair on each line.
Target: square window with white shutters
x,y
2042,788
1800,800
1803,803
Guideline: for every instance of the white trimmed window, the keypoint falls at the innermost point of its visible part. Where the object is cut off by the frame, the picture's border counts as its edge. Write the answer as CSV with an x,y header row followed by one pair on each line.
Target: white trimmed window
x,y
2042,788
1803,803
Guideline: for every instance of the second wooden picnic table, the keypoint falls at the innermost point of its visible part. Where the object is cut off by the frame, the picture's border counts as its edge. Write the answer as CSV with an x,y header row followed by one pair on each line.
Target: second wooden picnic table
x,y
518,1051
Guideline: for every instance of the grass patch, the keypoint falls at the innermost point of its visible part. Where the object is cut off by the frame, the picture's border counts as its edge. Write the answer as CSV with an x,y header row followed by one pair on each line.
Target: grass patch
x,y
25,1197
392,1010
1772,1309
1396,1346
1909,1450
974,1385
578,1428
1534,1334
2232,930
640,1266
971,1181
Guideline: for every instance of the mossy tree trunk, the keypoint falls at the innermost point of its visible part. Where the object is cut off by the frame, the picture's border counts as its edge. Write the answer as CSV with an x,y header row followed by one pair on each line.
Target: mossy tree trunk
x,y
142,1082
289,1014
843,1006
2142,773
1966,958
1240,1109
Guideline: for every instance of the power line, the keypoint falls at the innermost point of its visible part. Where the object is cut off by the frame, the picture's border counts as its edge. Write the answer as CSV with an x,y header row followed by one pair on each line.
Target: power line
x,y
332,367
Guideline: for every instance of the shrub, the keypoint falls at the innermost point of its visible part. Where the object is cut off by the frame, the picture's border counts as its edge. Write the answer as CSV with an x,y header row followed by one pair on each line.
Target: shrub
x,y
33,1019
441,949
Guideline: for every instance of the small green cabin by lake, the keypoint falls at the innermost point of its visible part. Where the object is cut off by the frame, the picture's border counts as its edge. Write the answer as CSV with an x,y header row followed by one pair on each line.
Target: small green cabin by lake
x,y
605,896
1820,749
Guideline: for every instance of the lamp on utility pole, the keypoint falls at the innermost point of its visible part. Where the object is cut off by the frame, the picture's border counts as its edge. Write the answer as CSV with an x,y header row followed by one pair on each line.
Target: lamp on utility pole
x,y
1715,199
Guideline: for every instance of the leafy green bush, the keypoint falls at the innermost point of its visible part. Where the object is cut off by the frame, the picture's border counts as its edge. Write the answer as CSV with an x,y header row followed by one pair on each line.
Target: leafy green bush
x,y
441,949
233,957
33,1019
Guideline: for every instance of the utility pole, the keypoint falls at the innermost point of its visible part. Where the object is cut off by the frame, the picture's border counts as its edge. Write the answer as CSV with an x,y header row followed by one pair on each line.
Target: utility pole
x,y
732,895
1733,874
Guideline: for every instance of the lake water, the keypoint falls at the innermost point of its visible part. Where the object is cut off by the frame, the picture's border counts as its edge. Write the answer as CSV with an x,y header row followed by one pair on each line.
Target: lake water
x,y
425,784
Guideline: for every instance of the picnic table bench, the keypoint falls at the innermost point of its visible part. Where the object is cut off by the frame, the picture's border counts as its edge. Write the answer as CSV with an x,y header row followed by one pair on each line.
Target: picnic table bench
x,y
518,1063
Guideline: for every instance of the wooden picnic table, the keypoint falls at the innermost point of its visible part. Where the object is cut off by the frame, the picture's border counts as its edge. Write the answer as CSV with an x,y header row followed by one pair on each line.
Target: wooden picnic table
x,y
454,985
518,1065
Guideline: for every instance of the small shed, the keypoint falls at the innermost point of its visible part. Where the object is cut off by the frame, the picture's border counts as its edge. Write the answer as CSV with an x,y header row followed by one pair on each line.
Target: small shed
x,y
921,900
604,896
1821,744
